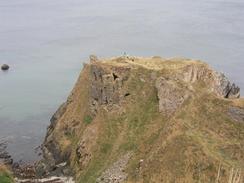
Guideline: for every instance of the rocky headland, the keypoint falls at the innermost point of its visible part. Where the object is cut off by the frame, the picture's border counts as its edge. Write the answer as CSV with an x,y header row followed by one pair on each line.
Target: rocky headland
x,y
133,119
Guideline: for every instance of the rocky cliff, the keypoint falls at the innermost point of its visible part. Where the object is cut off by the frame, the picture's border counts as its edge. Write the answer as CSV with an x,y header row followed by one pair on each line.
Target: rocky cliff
x,y
131,119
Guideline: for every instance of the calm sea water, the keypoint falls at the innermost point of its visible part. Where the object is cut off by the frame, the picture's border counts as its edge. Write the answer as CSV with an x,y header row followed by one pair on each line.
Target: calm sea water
x,y
45,43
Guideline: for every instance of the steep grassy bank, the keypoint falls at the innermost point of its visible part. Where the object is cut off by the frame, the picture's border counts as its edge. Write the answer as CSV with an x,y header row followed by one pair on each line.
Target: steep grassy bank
x,y
5,175
150,120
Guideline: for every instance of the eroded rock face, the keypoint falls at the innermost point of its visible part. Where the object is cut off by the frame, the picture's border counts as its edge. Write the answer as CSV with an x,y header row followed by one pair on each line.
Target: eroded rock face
x,y
171,96
83,154
83,150
217,82
224,88
106,85
57,115
51,153
50,148
234,92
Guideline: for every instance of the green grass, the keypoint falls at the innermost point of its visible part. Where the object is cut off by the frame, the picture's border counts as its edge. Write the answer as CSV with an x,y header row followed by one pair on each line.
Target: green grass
x,y
106,147
102,156
124,132
5,178
87,119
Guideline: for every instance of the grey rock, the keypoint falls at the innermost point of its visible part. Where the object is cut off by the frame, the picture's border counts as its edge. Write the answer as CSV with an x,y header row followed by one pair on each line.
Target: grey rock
x,y
236,113
5,67
82,153
57,115
216,81
50,148
223,87
106,86
170,95
234,92
5,158
115,173
85,145
41,169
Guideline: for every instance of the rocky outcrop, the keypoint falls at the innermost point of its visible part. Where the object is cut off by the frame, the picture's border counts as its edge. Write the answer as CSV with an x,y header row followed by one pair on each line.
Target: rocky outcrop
x,y
5,67
5,158
236,113
216,81
175,89
52,153
83,150
56,116
106,86
223,87
51,149
171,95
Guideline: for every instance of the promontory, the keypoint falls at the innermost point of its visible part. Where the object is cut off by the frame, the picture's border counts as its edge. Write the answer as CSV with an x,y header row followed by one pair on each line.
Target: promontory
x,y
151,120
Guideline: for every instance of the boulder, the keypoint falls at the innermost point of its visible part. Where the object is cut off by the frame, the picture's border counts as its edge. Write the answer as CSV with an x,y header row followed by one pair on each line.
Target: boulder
x,y
5,67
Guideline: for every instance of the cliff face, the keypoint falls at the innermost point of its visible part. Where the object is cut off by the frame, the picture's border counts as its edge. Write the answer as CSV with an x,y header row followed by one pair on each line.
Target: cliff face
x,y
132,119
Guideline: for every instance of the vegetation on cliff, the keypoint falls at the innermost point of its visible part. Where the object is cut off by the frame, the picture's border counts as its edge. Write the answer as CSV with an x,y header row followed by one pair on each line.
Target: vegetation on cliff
x,y
5,175
131,119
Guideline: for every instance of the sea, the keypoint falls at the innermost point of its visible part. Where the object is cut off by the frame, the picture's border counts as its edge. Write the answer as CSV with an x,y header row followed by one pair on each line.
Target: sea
x,y
46,42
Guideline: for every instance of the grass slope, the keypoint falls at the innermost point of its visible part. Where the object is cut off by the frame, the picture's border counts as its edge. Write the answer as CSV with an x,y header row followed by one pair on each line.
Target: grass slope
x,y
5,176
